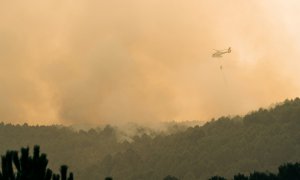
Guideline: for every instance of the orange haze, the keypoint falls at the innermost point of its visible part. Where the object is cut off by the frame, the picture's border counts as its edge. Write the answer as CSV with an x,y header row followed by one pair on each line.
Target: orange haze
x,y
97,61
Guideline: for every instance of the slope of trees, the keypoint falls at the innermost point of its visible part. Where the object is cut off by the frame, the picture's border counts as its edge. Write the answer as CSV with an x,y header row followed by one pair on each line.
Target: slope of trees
x,y
260,140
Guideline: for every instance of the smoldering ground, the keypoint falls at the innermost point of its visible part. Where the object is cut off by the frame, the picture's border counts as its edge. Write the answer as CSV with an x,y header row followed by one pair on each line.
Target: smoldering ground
x,y
115,61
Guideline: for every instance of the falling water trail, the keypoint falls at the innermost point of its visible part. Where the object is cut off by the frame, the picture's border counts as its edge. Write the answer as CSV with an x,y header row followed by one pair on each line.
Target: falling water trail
x,y
222,72
223,75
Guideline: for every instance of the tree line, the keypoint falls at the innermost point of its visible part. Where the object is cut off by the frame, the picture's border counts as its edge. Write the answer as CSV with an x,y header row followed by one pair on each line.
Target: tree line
x,y
261,140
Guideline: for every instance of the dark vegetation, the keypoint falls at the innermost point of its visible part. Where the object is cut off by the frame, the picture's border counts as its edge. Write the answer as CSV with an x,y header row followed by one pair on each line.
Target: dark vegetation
x,y
261,141
288,171
28,167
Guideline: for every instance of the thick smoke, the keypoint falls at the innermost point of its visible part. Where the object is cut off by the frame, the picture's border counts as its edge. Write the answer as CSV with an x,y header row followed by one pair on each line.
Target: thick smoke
x,y
95,62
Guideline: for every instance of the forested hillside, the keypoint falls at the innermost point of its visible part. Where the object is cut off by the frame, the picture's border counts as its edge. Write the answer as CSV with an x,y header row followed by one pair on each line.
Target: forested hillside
x,y
78,149
261,140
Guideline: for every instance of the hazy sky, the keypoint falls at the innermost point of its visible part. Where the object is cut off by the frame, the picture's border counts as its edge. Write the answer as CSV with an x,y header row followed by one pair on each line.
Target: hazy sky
x,y
96,61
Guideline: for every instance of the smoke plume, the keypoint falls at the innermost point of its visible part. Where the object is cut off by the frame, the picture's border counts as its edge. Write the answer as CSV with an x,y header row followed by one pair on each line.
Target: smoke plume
x,y
95,62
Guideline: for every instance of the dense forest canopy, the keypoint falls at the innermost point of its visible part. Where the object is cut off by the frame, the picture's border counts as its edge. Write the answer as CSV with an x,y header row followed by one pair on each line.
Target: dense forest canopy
x,y
261,140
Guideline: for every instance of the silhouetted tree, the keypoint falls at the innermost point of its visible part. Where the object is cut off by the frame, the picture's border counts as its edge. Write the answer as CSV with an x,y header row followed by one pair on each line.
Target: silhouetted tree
x,y
258,176
29,168
240,177
262,176
289,171
170,178
285,172
217,178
